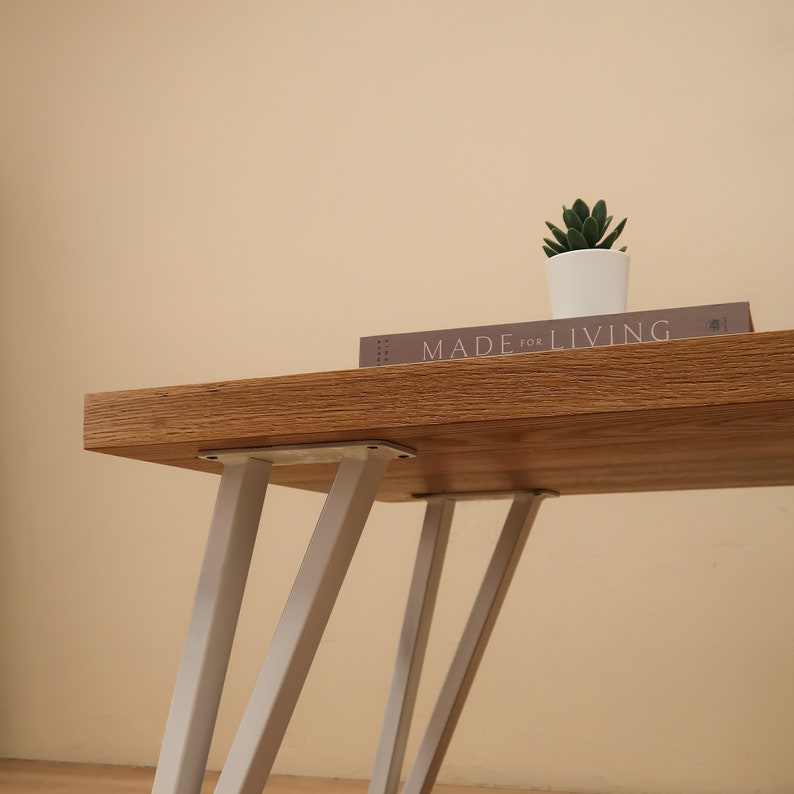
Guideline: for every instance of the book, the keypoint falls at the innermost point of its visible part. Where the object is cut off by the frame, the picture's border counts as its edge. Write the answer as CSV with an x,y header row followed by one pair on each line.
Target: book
x,y
565,334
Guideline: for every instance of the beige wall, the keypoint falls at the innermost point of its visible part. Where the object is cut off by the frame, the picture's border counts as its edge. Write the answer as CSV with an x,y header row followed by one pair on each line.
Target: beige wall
x,y
200,191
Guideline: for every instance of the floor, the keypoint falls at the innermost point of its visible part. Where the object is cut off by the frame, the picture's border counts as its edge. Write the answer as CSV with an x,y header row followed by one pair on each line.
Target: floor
x,y
47,777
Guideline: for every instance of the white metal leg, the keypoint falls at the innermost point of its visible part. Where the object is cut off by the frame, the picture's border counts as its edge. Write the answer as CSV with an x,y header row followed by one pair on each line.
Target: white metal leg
x,y
472,645
205,658
216,609
413,643
302,623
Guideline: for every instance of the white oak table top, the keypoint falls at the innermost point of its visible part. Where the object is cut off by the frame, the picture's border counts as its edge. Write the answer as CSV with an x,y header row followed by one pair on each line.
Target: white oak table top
x,y
711,412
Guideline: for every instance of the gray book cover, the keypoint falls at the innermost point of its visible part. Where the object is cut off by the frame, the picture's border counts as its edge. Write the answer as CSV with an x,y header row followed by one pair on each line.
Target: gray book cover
x,y
543,335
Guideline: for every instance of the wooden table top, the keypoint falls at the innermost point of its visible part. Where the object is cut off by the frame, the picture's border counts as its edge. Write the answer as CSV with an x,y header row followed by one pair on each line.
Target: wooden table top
x,y
711,412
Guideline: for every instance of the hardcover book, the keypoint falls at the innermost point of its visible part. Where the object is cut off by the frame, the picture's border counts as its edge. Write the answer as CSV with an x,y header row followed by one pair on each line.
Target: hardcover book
x,y
573,332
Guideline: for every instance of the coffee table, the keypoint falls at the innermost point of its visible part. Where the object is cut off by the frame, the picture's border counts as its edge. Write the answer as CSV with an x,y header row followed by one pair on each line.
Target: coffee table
x,y
714,412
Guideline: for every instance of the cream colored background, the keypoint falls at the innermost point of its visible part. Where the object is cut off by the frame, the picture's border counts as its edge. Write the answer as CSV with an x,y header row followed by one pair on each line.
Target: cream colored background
x,y
201,191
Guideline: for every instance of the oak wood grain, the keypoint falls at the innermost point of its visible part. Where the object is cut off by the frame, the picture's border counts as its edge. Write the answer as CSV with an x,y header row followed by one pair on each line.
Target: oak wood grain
x,y
693,413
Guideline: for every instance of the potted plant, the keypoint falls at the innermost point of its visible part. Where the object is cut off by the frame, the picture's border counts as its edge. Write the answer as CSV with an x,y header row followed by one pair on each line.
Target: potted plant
x,y
584,275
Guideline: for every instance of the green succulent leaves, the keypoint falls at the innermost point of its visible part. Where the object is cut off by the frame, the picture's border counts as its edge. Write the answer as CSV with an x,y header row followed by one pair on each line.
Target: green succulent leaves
x,y
584,228
590,231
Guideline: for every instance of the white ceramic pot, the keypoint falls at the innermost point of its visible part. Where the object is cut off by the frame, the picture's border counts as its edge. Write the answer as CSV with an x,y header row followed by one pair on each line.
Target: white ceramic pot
x,y
590,281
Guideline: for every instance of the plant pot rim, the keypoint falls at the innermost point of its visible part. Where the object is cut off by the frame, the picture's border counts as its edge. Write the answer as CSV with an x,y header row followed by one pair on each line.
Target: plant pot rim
x,y
590,252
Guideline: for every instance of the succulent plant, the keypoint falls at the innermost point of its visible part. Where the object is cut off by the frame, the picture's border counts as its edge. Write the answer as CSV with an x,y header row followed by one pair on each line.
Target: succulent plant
x,y
583,229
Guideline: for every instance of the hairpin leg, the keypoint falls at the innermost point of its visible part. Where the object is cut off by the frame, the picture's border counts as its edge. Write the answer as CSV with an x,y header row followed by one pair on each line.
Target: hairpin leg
x,y
472,644
413,643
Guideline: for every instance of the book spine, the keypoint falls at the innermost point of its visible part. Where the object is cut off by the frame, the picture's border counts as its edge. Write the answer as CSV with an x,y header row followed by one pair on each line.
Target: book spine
x,y
547,335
